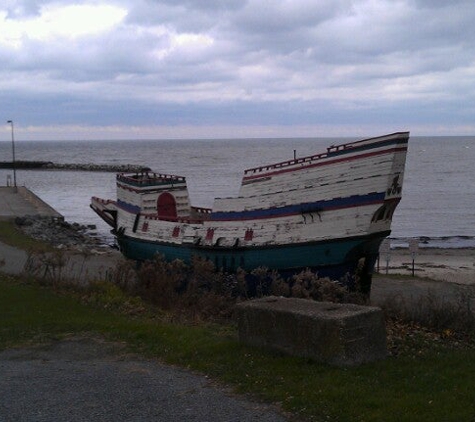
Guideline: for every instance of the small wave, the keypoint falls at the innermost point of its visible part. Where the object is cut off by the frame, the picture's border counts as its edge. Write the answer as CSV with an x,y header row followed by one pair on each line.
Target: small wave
x,y
442,242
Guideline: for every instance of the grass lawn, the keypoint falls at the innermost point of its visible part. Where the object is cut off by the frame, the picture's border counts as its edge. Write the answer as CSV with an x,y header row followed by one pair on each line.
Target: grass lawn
x,y
426,382
11,235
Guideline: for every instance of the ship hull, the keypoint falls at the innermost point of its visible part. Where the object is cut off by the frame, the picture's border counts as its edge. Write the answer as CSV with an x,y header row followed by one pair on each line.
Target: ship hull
x,y
337,259
327,212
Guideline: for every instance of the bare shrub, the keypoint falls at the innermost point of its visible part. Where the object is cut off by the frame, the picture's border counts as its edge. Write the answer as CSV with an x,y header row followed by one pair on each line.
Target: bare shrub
x,y
204,293
308,285
160,281
200,291
241,284
258,283
203,277
458,315
124,275
433,312
279,286
47,267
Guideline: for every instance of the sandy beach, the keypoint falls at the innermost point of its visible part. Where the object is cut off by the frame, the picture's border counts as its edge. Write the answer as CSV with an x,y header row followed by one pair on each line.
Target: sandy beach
x,y
455,266
450,265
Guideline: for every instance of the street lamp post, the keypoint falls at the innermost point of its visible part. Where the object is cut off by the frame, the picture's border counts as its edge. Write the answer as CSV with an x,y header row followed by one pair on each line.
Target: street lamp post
x,y
13,153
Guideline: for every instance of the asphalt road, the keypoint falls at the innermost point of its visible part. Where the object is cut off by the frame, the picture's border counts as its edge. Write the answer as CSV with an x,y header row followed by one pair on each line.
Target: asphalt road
x,y
82,379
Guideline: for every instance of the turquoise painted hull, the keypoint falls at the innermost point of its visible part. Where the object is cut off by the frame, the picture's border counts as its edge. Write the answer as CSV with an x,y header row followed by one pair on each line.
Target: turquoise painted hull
x,y
335,258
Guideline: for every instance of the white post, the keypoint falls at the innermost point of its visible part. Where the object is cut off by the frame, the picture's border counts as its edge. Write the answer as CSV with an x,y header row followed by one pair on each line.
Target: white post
x,y
13,153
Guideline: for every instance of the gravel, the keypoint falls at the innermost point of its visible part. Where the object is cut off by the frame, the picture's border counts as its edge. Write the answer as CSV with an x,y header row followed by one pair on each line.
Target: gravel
x,y
84,379
60,234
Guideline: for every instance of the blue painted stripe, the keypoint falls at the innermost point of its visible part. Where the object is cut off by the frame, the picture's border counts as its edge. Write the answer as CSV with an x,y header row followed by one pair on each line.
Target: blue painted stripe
x,y
318,206
133,209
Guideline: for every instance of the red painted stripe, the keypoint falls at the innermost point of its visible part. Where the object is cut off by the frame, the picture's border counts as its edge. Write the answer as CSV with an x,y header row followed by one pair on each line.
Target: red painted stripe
x,y
346,158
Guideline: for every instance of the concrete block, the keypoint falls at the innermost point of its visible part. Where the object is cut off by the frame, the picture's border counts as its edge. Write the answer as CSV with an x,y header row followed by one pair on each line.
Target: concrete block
x,y
338,334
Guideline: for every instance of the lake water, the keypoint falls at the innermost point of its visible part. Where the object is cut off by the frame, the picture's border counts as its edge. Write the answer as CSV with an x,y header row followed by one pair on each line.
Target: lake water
x,y
438,194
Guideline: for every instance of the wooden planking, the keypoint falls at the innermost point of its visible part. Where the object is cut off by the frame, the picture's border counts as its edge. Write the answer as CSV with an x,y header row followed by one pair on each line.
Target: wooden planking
x,y
374,176
342,179
294,229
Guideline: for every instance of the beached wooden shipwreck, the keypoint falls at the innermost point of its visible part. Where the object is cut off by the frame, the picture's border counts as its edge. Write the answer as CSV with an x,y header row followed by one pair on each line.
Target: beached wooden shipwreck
x,y
328,212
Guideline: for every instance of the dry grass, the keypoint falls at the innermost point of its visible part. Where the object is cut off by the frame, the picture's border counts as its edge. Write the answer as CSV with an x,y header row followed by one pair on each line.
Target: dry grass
x,y
200,292
433,312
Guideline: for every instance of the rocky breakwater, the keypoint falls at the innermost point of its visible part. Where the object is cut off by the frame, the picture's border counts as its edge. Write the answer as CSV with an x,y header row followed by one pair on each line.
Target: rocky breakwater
x,y
48,165
61,234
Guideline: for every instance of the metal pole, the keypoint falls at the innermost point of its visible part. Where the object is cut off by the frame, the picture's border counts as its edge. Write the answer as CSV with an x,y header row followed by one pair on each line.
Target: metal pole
x,y
13,152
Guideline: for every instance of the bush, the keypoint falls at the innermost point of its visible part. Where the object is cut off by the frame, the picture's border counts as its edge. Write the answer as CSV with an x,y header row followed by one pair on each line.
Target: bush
x,y
107,295
161,282
47,267
199,291
433,312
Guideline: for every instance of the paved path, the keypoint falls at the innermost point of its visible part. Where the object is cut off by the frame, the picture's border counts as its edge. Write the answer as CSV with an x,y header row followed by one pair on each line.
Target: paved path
x,y
89,380
78,267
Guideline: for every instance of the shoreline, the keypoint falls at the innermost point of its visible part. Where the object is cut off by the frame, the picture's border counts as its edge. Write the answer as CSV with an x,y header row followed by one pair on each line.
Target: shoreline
x,y
453,265
446,276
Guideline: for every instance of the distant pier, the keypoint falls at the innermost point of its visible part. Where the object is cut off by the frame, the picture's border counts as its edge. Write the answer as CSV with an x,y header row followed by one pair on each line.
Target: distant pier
x,y
20,202
48,165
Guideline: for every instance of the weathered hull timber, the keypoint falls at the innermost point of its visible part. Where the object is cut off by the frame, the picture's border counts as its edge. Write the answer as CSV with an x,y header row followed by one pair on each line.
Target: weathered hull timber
x,y
334,259
327,212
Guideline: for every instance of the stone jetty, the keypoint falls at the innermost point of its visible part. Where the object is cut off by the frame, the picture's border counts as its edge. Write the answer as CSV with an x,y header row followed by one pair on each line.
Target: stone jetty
x,y
40,221
48,165
60,233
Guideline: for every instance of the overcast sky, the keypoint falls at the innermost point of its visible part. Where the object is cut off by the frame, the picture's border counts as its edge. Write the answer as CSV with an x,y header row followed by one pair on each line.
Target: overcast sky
x,y
236,68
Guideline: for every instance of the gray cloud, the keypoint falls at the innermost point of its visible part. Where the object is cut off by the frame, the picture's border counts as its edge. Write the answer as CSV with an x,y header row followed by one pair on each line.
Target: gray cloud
x,y
295,62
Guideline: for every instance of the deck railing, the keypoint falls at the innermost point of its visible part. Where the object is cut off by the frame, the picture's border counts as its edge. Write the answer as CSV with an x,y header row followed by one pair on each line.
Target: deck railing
x,y
330,150
149,178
